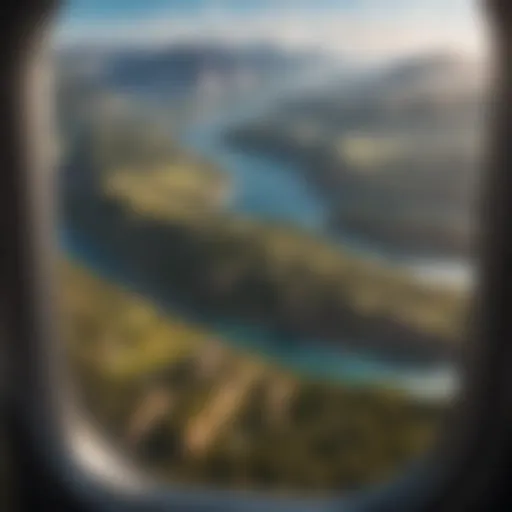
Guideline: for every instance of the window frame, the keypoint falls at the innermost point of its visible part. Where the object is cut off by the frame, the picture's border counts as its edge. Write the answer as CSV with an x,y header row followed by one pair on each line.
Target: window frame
x,y
463,469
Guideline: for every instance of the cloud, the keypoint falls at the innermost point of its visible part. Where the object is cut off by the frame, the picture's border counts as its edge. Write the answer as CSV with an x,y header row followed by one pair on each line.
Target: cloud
x,y
358,27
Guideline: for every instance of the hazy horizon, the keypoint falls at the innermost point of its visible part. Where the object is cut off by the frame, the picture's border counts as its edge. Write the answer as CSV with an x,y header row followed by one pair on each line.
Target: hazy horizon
x,y
364,28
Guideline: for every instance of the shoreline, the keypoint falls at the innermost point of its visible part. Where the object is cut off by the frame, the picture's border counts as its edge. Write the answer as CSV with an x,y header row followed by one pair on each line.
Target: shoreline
x,y
315,168
354,367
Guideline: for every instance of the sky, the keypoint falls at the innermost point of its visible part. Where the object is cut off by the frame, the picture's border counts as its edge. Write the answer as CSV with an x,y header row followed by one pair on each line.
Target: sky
x,y
362,27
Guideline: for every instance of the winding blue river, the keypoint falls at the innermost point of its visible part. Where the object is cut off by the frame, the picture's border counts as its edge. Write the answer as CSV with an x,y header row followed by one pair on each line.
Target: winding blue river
x,y
268,188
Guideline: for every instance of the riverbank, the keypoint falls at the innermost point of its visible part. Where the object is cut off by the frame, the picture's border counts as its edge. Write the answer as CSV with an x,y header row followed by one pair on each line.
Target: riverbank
x,y
262,282
276,276
424,212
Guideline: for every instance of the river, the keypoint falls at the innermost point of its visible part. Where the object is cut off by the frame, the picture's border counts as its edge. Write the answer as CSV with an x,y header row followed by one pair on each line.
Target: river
x,y
268,188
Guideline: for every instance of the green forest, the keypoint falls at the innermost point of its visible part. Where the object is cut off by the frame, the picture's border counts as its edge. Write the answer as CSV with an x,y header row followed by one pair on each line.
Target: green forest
x,y
194,411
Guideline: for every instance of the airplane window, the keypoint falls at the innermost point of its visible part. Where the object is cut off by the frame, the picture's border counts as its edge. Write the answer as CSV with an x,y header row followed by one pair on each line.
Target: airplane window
x,y
266,216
